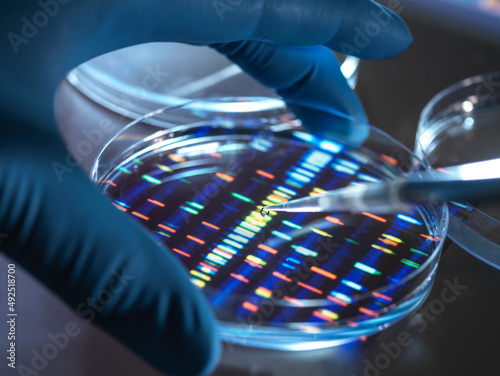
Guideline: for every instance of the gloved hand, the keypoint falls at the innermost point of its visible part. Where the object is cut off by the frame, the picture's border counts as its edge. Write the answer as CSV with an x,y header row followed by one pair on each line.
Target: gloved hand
x,y
65,232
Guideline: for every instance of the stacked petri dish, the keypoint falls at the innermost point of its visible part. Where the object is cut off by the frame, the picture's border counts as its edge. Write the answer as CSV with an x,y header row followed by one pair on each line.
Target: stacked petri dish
x,y
198,174
460,125
137,80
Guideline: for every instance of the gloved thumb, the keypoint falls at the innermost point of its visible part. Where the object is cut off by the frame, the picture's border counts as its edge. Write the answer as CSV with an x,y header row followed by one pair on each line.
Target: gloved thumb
x,y
100,262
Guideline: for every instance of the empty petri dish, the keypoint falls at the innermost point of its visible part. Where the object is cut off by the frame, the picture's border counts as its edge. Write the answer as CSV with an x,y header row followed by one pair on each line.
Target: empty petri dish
x,y
198,176
460,125
136,80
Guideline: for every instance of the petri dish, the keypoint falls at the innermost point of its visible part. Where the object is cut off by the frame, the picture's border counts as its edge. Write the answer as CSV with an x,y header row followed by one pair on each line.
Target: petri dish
x,y
136,80
461,125
197,175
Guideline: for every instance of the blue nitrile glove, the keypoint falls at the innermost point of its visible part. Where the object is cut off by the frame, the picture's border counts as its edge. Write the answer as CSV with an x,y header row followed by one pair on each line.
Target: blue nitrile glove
x,y
63,231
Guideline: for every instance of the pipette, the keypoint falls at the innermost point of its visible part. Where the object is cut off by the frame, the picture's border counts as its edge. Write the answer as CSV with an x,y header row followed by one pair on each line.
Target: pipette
x,y
479,180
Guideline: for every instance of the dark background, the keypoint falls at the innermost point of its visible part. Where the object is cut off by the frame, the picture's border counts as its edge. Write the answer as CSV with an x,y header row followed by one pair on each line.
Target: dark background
x,y
462,338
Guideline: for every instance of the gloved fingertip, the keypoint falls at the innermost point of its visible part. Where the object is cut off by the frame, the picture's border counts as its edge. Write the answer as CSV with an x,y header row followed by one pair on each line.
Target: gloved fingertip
x,y
399,37
371,31
330,124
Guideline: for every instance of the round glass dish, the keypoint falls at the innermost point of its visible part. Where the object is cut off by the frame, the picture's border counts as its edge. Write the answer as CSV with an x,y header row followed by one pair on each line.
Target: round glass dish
x,y
461,125
137,80
197,176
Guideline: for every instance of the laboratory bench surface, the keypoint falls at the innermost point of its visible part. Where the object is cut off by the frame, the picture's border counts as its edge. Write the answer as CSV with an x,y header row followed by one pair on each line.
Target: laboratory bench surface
x,y
457,334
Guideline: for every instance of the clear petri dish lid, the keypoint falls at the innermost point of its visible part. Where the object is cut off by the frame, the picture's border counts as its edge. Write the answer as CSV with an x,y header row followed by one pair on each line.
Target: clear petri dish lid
x,y
198,183
461,125
140,79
